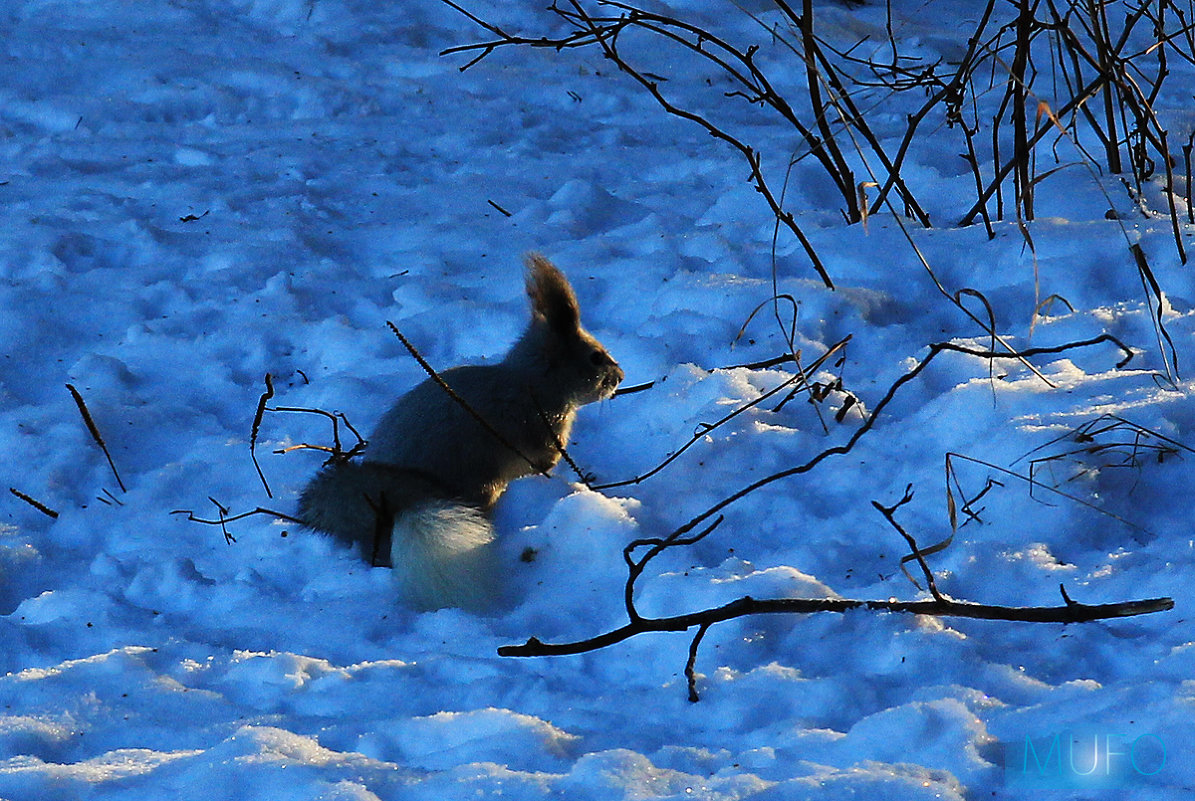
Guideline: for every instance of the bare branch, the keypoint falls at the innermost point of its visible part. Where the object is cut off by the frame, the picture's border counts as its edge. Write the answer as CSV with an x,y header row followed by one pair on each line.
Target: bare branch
x,y
1072,612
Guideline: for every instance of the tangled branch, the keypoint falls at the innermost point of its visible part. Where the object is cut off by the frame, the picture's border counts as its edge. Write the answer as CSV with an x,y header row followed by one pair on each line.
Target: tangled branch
x,y
1094,71
639,554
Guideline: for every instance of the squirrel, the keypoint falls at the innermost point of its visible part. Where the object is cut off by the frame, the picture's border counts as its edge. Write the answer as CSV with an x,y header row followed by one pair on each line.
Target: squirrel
x,y
420,498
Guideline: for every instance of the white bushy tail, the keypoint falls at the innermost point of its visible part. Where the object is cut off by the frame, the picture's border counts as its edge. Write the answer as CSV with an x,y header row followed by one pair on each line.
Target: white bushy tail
x,y
442,556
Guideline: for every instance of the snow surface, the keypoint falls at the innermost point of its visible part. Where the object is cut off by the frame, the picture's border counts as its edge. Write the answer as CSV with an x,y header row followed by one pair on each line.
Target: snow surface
x,y
195,194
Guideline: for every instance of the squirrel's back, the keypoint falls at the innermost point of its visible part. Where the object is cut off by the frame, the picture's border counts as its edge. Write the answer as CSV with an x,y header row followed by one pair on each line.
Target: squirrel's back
x,y
429,431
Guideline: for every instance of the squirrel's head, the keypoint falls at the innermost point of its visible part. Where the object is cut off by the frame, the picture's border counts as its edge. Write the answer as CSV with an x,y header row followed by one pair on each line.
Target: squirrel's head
x,y
575,367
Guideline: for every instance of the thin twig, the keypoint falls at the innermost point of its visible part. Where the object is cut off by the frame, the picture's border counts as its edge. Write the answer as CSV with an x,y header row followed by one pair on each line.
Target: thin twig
x,y
585,478
655,546
889,513
261,410
705,429
194,518
763,364
691,664
1150,284
336,418
95,432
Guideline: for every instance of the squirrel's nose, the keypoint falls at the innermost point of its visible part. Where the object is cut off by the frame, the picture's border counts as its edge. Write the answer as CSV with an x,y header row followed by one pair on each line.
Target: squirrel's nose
x,y
616,375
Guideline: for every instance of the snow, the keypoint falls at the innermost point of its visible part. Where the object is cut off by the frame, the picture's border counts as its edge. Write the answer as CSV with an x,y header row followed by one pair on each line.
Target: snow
x,y
194,195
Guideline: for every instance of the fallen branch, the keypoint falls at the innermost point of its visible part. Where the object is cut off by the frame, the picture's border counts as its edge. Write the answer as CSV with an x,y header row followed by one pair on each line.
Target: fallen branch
x,y
1071,612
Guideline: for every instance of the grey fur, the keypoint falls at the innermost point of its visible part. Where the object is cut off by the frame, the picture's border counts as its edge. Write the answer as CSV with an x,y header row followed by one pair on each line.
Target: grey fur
x,y
427,449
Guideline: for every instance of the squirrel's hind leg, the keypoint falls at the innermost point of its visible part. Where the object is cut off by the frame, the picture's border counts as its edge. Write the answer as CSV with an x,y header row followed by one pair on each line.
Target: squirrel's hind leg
x,y
357,502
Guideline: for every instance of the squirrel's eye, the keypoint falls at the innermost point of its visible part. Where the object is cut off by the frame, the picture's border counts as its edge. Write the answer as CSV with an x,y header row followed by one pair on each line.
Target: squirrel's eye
x,y
598,358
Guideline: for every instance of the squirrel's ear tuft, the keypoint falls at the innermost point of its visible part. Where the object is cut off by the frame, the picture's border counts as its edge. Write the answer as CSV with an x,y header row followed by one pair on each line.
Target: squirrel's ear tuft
x,y
552,298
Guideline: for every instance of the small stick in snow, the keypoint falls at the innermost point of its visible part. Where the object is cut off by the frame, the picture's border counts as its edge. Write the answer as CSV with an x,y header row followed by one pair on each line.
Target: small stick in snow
x,y
36,504
224,518
95,432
